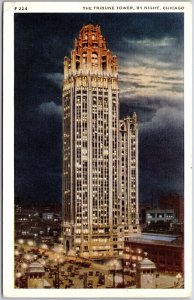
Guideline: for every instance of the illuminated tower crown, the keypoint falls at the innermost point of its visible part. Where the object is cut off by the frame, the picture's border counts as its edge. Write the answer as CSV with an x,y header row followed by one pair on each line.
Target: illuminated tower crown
x,y
91,54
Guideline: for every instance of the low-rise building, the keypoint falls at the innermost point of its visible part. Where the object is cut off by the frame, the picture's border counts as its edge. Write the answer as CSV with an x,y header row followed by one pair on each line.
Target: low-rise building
x,y
160,218
36,278
175,202
146,274
166,251
37,222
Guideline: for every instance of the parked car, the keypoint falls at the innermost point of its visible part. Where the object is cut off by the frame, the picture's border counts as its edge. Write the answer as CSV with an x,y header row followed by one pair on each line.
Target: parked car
x,y
101,279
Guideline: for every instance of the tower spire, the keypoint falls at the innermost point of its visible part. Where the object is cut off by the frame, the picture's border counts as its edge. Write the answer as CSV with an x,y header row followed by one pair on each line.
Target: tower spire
x,y
90,53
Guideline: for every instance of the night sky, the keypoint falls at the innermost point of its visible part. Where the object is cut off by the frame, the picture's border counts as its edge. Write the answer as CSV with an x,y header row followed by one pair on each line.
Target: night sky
x,y
150,50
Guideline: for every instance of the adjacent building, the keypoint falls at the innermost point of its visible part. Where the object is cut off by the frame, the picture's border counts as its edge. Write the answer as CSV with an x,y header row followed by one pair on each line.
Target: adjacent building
x,y
160,219
166,251
38,223
175,202
100,152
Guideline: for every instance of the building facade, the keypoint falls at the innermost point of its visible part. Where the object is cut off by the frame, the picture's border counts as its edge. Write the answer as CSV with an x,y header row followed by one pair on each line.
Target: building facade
x,y
99,201
160,216
168,255
175,202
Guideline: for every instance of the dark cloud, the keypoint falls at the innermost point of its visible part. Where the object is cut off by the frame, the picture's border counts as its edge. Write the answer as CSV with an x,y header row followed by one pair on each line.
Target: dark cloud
x,y
135,84
55,78
148,110
50,108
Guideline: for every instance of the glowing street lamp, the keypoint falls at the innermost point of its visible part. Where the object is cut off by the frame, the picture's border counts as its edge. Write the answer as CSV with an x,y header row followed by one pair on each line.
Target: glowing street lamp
x,y
18,275
16,252
179,278
58,249
114,273
30,243
24,266
44,247
59,259
28,257
21,241
61,239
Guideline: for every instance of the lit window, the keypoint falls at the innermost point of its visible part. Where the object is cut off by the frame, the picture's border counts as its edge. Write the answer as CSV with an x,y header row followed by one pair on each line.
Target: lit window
x,y
95,59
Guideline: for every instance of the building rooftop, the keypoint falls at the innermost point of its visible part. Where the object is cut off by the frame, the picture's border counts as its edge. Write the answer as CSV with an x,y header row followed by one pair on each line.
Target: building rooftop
x,y
146,263
35,267
156,239
159,237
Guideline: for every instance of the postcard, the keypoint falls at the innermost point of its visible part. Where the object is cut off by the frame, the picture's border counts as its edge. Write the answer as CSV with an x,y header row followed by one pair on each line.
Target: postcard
x,y
97,111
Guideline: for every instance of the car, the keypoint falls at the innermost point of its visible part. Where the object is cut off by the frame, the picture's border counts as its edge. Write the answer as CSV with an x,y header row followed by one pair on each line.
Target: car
x,y
69,269
85,264
53,270
101,279
47,269
71,261
120,285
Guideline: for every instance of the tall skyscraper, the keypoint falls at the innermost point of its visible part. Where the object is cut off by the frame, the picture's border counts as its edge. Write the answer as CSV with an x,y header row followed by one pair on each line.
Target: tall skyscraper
x,y
100,152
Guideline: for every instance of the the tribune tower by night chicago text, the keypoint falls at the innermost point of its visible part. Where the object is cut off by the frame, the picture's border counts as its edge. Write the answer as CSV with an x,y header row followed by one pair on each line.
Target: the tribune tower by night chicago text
x,y
100,152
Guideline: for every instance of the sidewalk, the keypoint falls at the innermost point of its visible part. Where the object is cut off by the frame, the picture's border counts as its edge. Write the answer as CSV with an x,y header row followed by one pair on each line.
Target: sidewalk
x,y
166,281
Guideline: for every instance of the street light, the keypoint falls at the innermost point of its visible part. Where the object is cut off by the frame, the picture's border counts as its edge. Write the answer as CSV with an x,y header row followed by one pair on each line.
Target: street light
x,y
16,252
58,249
24,267
21,241
114,272
44,247
28,257
179,278
59,260
30,243
18,276
61,240
124,261
134,270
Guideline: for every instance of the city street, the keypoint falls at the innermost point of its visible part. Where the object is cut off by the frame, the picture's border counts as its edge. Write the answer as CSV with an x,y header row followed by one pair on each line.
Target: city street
x,y
75,272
